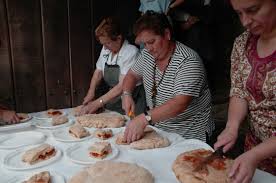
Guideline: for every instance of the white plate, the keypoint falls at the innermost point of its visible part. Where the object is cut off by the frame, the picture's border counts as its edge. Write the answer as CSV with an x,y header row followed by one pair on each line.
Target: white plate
x,y
43,115
80,154
26,119
47,124
63,135
12,161
20,139
20,125
55,177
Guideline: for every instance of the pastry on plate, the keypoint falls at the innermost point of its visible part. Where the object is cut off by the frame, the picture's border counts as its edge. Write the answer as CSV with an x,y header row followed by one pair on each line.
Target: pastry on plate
x,y
78,131
59,120
38,154
42,177
23,116
53,112
103,134
100,150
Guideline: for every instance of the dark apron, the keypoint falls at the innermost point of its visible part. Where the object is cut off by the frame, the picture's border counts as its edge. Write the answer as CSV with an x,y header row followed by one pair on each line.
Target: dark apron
x,y
111,77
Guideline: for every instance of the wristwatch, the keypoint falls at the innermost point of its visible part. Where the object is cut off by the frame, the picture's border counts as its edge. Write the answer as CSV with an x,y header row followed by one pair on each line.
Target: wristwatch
x,y
148,118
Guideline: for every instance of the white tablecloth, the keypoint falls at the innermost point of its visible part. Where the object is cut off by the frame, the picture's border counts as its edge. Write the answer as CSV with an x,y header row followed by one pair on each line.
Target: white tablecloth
x,y
157,161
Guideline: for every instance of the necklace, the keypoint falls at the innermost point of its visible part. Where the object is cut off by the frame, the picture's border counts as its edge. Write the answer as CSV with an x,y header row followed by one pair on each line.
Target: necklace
x,y
155,85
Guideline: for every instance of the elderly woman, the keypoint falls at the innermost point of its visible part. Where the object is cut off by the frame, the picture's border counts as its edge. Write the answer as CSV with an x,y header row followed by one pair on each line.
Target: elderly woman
x,y
115,59
253,91
175,83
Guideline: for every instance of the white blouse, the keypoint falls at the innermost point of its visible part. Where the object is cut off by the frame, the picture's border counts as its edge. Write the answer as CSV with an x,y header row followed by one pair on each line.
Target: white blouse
x,y
125,58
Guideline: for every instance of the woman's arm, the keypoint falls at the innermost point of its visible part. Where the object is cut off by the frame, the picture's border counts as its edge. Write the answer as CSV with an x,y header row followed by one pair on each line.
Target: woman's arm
x,y
245,165
171,108
237,111
95,80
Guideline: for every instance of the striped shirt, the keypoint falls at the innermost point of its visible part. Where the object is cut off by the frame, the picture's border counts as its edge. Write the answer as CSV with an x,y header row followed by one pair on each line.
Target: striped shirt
x,y
185,75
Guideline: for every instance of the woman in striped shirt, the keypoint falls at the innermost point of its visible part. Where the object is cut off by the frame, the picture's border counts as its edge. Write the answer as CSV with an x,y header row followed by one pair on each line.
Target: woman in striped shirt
x,y
175,83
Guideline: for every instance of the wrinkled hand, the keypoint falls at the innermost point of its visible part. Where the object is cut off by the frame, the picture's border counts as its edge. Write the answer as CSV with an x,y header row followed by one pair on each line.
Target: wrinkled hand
x,y
244,168
10,117
227,138
135,129
128,104
89,97
90,108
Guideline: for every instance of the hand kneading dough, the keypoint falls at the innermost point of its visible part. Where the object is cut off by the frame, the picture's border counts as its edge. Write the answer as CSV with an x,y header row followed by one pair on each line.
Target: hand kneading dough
x,y
150,140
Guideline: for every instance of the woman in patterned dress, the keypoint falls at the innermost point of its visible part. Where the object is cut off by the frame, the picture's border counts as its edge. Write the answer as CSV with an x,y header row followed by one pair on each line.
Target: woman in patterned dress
x,y
253,90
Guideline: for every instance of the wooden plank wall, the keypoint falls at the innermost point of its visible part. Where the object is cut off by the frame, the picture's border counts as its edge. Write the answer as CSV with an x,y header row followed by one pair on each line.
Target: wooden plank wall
x,y
48,50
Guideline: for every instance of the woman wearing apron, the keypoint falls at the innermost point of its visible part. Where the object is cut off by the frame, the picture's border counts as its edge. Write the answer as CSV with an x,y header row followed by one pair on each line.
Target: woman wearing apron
x,y
115,59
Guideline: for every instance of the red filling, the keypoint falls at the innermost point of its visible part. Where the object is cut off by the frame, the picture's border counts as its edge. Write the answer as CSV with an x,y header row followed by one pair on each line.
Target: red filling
x,y
192,159
97,154
55,113
50,153
104,136
218,164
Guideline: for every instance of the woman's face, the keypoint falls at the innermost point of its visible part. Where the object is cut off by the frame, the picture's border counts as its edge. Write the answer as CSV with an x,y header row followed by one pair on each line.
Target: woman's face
x,y
157,45
113,46
258,16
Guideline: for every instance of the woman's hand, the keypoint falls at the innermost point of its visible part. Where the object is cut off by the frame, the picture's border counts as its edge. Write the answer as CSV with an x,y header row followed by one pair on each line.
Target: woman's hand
x,y
244,168
128,104
90,108
10,117
89,97
135,129
227,138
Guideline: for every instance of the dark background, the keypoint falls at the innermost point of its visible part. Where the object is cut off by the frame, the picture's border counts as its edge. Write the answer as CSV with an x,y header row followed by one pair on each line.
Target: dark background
x,y
48,50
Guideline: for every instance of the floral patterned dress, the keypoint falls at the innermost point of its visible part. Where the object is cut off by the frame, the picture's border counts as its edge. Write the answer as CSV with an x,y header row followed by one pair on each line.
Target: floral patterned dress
x,y
254,79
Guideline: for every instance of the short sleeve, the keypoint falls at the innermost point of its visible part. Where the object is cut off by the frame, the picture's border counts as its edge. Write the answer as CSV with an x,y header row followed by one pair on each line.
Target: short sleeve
x,y
142,6
102,59
128,60
137,67
190,77
237,85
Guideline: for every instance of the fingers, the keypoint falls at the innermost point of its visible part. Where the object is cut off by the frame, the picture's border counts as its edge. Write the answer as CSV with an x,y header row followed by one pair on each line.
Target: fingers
x,y
134,137
15,119
227,147
225,139
234,171
126,134
83,110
